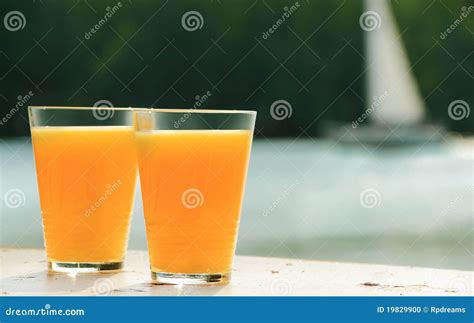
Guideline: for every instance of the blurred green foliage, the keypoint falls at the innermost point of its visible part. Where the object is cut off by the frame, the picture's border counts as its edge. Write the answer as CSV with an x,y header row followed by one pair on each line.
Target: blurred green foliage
x,y
142,56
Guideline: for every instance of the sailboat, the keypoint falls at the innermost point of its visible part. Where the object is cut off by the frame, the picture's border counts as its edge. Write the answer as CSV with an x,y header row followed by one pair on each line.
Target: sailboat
x,y
396,113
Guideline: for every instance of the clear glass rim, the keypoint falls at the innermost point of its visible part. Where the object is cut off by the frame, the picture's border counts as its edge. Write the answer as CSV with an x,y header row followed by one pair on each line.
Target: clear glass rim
x,y
209,111
148,110
46,107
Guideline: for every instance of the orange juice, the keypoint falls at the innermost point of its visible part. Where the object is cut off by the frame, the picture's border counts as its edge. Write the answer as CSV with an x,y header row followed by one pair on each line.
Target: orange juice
x,y
192,185
86,178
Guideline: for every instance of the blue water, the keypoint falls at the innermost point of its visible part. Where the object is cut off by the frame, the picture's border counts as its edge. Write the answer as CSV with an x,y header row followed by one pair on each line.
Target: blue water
x,y
303,201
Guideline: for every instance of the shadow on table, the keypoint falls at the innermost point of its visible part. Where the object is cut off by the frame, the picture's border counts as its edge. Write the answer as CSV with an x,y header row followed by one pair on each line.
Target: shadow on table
x,y
99,284
46,283
151,289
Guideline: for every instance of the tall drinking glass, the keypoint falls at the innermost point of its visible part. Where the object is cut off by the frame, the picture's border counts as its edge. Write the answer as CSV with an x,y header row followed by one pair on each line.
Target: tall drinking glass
x,y
86,169
193,166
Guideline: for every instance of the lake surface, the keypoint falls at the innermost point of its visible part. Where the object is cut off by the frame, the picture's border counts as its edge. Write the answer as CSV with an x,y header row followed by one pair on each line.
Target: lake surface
x,y
316,199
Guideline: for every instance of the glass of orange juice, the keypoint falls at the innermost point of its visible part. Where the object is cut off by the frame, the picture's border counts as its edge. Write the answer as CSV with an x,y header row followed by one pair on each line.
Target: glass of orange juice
x,y
193,167
86,170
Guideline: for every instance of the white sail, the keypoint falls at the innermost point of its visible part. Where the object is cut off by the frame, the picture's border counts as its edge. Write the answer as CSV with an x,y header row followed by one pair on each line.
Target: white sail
x,y
391,87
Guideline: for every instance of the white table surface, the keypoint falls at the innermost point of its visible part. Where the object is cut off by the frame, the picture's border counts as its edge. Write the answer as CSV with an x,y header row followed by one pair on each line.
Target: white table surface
x,y
24,272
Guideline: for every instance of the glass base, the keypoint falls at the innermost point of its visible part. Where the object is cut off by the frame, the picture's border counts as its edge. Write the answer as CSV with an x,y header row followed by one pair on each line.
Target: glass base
x,y
83,267
189,279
